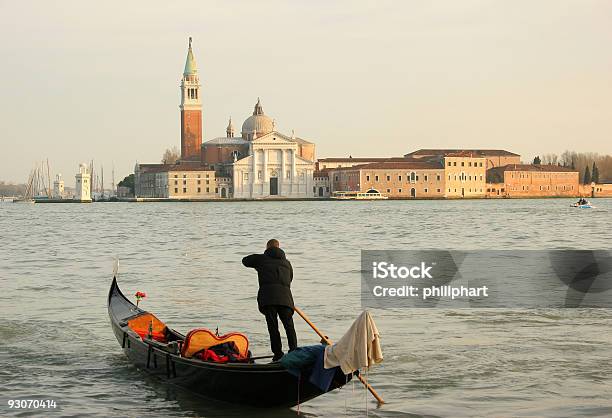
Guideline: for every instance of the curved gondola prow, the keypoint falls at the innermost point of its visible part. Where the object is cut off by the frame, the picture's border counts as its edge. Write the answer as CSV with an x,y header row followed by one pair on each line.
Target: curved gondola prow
x,y
119,306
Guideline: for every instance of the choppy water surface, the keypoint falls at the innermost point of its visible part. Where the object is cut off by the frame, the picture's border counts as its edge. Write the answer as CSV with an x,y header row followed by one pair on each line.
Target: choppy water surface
x,y
56,261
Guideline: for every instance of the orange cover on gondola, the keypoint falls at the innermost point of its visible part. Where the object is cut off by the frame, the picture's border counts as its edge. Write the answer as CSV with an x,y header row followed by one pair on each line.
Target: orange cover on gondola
x,y
141,323
202,338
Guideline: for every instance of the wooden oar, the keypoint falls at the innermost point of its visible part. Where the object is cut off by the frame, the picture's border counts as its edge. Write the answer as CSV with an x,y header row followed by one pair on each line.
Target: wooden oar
x,y
329,342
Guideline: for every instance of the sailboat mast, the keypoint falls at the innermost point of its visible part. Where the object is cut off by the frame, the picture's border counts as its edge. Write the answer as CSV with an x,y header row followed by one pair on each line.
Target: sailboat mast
x,y
113,181
48,180
93,177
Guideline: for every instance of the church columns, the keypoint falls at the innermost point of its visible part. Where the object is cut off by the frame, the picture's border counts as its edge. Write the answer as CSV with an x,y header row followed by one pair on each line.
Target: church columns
x,y
265,166
253,173
283,173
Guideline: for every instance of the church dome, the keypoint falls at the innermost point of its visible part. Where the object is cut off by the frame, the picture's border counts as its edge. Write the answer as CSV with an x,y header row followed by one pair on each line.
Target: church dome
x,y
257,122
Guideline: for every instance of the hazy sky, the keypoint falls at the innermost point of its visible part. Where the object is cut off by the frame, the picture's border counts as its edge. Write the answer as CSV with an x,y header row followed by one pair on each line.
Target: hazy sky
x,y
84,79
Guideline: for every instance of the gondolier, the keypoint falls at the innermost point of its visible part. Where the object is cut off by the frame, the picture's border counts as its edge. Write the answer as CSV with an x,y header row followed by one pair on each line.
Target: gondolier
x,y
274,297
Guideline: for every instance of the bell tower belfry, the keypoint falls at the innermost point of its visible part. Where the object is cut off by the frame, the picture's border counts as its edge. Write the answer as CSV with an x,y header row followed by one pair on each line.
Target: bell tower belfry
x,y
191,110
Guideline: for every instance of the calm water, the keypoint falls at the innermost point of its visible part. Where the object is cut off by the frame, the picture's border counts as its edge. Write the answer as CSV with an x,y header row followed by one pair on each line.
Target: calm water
x,y
55,270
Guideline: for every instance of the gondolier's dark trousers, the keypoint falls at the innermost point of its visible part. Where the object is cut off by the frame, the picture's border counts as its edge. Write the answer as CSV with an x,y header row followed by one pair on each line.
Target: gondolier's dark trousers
x,y
285,313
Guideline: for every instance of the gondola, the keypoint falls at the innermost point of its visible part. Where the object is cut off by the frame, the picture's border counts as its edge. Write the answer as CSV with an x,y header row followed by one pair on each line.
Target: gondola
x,y
250,383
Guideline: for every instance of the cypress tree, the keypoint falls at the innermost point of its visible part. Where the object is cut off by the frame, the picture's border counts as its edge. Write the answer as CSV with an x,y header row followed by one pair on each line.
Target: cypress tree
x,y
587,176
595,173
537,160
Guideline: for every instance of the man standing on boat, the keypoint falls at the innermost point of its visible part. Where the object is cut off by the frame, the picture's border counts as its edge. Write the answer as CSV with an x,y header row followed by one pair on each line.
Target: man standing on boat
x,y
274,297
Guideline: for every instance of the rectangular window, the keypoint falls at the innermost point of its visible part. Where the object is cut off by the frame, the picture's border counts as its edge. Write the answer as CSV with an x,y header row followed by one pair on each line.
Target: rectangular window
x,y
388,178
399,178
367,178
462,164
199,190
438,190
425,190
207,175
455,163
208,190
470,164
425,177
399,190
184,190
184,182
175,182
216,190
449,163
438,177
388,190
480,165
199,181
176,190
376,178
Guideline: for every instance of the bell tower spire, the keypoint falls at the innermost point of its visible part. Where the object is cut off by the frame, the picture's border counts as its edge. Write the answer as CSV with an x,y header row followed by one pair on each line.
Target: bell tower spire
x,y
191,109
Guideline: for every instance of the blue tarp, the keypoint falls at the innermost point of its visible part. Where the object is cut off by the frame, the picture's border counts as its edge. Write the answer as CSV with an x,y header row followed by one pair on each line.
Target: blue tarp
x,y
309,360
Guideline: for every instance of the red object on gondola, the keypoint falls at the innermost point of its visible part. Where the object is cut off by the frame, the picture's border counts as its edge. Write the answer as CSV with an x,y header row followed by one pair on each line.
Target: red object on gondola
x,y
140,295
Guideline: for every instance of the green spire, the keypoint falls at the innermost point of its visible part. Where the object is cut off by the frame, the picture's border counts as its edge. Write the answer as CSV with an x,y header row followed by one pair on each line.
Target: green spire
x,y
190,64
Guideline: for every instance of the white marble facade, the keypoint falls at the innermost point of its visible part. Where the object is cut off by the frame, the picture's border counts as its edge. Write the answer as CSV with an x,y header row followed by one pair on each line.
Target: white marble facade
x,y
273,168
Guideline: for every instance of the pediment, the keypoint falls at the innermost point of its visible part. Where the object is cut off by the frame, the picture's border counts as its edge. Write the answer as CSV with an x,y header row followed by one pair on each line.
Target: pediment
x,y
273,138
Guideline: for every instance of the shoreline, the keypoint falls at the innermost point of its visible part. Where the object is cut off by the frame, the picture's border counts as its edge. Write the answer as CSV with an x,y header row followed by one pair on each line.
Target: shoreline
x,y
317,199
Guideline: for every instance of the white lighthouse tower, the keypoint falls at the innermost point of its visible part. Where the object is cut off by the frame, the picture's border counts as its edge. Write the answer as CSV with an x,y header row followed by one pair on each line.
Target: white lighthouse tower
x,y
58,187
83,185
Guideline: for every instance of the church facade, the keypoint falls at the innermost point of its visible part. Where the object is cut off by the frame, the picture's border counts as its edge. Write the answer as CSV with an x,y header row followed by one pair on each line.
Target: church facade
x,y
259,163
262,162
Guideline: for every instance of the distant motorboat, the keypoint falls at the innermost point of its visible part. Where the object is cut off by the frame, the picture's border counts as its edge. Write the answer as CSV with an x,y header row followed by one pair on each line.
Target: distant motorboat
x,y
587,205
369,195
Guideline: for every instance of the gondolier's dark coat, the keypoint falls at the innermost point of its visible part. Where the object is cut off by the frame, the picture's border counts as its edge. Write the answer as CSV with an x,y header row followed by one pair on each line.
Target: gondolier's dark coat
x,y
275,276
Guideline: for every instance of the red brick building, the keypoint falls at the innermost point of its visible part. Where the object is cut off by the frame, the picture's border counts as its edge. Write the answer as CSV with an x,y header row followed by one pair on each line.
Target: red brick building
x,y
532,180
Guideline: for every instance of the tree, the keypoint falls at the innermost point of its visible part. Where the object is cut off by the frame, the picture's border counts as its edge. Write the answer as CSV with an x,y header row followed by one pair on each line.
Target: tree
x,y
537,160
587,176
550,159
128,181
595,173
171,156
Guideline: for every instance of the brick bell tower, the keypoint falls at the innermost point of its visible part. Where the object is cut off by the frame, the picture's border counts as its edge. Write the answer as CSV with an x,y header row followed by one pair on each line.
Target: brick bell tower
x,y
191,110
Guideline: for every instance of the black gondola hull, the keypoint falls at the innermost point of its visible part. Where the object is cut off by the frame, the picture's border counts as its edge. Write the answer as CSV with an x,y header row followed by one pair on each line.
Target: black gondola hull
x,y
262,385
